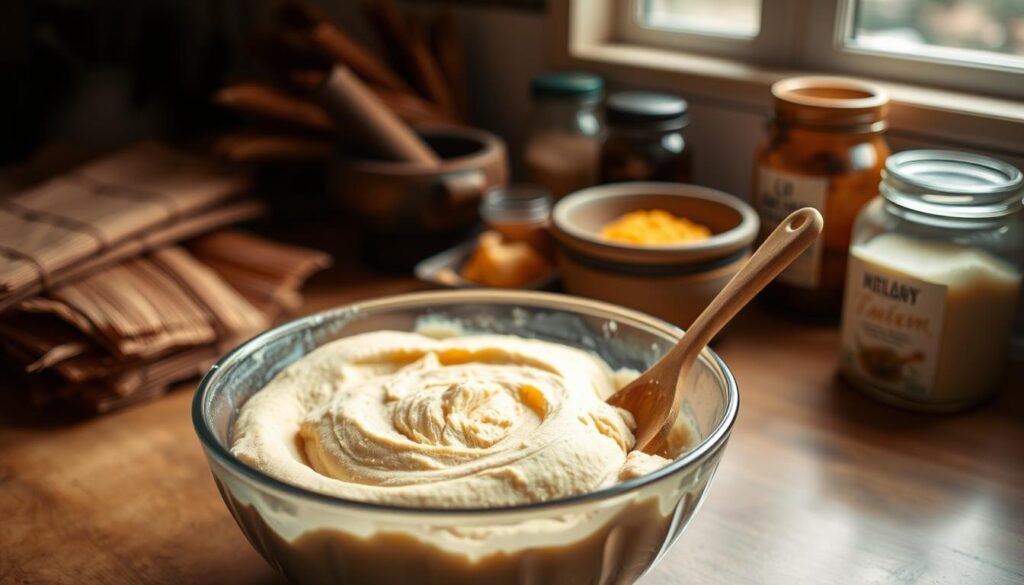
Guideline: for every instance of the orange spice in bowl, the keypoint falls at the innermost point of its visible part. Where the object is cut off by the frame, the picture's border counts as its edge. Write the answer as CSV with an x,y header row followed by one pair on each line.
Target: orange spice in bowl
x,y
654,227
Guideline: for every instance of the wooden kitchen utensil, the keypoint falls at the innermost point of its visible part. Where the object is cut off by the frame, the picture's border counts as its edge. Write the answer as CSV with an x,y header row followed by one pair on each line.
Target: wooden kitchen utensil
x,y
427,73
654,399
411,108
329,39
268,102
256,147
450,55
368,123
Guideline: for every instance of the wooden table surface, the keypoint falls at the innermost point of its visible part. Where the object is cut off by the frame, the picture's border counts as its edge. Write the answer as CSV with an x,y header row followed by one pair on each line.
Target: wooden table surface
x,y
819,484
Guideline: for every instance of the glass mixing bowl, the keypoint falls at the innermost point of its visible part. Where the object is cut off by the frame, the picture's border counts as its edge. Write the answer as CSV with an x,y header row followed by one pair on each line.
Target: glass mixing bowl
x,y
610,536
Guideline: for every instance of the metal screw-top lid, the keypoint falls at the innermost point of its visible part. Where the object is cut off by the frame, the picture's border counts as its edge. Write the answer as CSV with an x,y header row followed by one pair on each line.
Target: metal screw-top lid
x,y
952,184
567,85
516,203
645,107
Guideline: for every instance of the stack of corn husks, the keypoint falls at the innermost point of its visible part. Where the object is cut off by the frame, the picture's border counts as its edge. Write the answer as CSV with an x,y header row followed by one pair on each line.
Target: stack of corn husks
x,y
118,278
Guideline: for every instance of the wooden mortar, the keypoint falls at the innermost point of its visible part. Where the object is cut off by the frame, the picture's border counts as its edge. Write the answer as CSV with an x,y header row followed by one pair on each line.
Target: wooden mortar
x,y
410,210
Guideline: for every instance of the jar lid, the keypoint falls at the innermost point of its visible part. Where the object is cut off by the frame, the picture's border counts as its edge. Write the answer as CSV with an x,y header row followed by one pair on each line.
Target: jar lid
x,y
567,84
952,184
516,203
646,107
831,101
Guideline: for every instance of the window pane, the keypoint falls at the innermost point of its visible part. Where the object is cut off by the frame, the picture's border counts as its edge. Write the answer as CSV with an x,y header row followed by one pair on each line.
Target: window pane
x,y
971,30
738,18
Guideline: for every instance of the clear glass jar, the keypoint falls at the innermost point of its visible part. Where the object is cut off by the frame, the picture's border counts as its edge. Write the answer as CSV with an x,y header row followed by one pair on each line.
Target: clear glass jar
x,y
645,139
825,149
519,213
934,279
564,132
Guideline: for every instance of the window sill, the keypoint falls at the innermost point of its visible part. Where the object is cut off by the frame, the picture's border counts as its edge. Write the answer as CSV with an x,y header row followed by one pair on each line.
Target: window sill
x,y
955,118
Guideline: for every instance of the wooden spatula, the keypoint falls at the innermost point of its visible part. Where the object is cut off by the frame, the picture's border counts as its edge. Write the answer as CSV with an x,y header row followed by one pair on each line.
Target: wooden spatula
x,y
655,397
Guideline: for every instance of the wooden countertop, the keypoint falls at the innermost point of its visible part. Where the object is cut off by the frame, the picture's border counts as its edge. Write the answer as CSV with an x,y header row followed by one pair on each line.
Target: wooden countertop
x,y
819,484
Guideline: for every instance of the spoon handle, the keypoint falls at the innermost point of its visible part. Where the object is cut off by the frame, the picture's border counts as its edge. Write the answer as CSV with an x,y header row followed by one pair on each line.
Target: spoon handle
x,y
794,235
655,397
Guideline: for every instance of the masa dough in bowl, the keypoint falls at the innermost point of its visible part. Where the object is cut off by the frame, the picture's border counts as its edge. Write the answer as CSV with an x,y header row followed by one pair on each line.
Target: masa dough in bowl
x,y
472,421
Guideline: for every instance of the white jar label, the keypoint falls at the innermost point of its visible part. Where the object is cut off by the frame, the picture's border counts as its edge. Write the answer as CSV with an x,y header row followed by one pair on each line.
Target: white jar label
x,y
780,194
892,328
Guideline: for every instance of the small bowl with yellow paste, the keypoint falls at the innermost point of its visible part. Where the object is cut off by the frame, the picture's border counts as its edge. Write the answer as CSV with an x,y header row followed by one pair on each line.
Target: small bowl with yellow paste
x,y
663,248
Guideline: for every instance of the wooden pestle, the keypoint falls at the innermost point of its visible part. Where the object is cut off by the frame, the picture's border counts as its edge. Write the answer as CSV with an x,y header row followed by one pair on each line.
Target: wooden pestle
x,y
368,122
411,108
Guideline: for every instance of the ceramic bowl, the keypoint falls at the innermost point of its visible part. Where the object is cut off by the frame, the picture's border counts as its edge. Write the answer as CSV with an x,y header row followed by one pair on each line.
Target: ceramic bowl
x,y
673,282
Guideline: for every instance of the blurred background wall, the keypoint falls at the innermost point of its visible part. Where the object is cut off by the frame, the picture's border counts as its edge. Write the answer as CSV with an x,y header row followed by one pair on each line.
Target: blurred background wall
x,y
103,72
100,73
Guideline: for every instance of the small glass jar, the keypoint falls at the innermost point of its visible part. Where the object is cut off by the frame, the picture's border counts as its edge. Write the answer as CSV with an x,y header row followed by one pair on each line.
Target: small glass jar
x,y
934,278
825,149
645,139
519,213
563,132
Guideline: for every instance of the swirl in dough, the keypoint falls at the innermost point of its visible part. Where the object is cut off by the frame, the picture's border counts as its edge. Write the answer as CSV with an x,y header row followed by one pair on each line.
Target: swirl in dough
x,y
474,421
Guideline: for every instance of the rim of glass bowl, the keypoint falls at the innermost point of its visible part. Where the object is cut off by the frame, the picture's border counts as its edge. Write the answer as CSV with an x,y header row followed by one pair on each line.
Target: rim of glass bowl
x,y
714,440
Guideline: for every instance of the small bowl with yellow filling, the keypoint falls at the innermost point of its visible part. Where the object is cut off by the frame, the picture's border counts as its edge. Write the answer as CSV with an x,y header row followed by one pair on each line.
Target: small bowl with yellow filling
x,y
663,248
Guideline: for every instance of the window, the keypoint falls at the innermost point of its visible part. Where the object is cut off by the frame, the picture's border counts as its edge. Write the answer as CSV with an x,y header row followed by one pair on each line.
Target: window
x,y
968,45
744,29
982,31
735,18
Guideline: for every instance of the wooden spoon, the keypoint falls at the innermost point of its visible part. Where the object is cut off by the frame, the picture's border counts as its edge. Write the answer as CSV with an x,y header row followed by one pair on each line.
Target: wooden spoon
x,y
655,397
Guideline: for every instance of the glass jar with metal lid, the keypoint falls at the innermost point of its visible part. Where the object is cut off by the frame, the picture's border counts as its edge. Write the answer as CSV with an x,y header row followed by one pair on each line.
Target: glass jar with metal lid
x,y
933,281
825,149
564,132
645,138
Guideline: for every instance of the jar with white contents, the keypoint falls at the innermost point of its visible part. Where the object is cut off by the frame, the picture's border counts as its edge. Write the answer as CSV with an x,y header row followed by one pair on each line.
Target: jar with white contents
x,y
933,281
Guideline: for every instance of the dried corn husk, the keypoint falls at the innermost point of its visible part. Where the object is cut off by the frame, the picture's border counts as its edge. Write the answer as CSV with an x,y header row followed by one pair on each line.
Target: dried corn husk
x,y
113,339
98,308
108,208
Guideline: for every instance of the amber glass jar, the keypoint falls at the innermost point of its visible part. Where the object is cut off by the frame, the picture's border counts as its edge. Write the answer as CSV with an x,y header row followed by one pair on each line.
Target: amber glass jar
x,y
825,149
645,139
